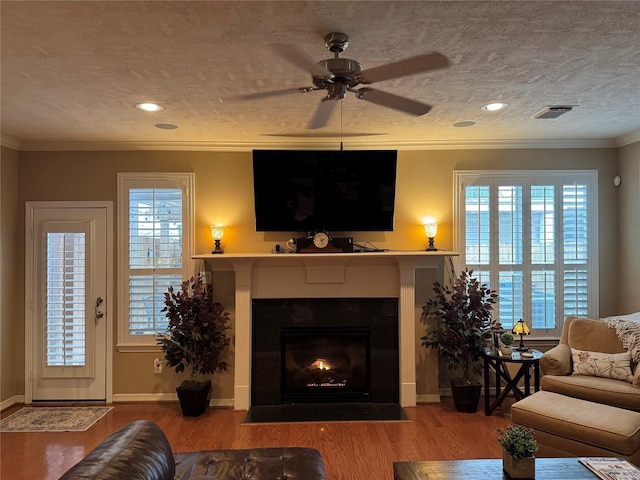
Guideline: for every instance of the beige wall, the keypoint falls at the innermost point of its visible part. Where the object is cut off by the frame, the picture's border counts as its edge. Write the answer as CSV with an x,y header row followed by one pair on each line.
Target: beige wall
x,y
11,280
629,241
224,195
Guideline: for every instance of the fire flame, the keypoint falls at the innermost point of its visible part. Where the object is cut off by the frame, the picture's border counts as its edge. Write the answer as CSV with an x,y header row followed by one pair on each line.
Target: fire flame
x,y
321,364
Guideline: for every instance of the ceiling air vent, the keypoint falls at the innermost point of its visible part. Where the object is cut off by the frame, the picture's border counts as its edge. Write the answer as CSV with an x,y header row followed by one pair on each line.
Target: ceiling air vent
x,y
553,111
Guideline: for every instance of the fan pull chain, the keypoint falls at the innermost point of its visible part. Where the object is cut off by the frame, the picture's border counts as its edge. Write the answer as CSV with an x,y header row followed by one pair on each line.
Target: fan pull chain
x,y
341,146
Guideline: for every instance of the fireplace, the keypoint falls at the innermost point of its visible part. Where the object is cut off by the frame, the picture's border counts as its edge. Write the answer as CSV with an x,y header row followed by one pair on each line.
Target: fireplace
x,y
325,350
266,276
325,364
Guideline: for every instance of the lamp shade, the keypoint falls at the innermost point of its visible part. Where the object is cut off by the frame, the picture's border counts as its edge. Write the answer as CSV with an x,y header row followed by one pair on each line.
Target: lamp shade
x,y
431,229
521,328
217,232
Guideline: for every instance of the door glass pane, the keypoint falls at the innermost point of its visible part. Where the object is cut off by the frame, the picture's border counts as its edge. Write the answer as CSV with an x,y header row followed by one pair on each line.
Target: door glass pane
x,y
65,282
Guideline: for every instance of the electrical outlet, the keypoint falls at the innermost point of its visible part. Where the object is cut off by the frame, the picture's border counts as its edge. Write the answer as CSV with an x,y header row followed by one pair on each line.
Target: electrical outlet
x,y
157,365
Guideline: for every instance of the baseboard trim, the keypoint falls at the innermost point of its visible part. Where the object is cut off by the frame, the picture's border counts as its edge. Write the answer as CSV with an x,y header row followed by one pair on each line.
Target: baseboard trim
x,y
9,402
428,398
164,397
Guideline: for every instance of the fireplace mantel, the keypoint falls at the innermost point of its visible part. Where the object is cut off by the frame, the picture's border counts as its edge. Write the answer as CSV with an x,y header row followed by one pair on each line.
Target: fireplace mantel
x,y
325,275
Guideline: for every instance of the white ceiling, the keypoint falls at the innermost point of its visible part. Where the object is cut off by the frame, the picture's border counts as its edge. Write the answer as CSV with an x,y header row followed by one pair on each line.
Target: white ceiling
x,y
72,72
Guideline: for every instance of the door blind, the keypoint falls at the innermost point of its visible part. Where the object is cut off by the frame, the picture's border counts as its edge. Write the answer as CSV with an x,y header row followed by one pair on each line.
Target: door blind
x,y
65,284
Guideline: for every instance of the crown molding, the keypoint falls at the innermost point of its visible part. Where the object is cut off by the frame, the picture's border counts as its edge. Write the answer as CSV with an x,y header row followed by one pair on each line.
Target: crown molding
x,y
9,142
631,137
321,144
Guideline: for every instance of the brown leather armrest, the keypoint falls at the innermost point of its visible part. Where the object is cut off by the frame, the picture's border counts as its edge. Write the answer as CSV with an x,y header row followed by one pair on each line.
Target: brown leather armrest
x,y
138,451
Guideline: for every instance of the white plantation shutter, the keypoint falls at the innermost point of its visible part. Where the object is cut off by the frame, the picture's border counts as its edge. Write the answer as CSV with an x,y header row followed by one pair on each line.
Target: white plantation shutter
x,y
575,254
155,255
65,297
508,234
477,224
156,224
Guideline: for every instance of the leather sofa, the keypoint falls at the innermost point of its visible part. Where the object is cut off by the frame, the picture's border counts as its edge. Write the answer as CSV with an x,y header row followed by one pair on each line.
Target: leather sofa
x,y
141,451
584,414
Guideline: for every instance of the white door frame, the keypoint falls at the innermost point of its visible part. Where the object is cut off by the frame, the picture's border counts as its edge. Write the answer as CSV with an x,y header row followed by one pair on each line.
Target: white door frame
x,y
29,279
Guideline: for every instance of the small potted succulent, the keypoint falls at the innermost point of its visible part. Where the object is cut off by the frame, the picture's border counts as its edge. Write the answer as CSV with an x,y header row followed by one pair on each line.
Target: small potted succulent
x,y
518,449
196,341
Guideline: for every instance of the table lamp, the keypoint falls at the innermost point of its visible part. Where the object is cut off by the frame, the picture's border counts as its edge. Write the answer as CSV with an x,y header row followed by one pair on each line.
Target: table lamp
x,y
521,328
431,229
216,234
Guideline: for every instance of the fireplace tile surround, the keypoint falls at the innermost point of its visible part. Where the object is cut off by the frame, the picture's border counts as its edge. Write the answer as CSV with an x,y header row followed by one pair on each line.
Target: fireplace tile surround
x,y
325,275
375,378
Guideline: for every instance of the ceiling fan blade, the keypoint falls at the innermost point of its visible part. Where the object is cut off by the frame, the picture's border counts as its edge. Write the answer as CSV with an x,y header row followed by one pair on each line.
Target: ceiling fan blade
x,y
396,102
273,93
402,68
297,57
323,112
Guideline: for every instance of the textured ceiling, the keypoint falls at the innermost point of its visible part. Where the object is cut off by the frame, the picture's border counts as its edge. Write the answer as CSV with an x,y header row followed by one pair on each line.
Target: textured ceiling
x,y
73,71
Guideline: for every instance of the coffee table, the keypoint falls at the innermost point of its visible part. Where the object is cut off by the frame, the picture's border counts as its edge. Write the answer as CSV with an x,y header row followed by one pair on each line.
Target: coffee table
x,y
546,469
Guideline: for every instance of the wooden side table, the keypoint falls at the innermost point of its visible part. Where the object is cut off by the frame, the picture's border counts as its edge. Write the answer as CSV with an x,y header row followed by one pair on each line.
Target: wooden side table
x,y
493,362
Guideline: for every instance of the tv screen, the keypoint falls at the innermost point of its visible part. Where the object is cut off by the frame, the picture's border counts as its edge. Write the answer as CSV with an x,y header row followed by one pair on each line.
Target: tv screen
x,y
336,191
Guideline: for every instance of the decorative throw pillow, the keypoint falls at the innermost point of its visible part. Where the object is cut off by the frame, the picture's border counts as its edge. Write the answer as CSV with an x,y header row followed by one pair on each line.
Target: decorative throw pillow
x,y
598,364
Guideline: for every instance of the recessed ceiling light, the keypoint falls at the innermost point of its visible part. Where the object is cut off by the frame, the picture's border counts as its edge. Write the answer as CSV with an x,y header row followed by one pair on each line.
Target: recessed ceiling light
x,y
464,123
149,107
495,106
166,126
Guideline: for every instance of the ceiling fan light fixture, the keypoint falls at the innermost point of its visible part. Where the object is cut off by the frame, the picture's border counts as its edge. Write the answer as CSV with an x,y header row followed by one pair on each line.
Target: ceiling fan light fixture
x,y
149,107
494,106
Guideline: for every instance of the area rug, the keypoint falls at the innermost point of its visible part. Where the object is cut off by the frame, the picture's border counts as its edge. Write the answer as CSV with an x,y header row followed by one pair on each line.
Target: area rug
x,y
326,412
53,419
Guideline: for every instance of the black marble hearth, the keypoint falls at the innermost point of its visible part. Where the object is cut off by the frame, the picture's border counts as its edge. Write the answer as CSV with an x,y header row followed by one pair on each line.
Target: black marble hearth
x,y
323,412
358,337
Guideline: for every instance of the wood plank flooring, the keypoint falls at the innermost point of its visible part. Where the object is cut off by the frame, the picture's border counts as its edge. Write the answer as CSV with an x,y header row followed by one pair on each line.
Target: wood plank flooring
x,y
351,450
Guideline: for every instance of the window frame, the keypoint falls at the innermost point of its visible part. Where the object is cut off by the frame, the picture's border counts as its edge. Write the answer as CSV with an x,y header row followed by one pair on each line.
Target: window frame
x,y
530,178
186,182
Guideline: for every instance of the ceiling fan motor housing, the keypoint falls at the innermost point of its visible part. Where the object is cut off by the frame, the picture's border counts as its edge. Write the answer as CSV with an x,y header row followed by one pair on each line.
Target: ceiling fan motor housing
x,y
336,42
344,71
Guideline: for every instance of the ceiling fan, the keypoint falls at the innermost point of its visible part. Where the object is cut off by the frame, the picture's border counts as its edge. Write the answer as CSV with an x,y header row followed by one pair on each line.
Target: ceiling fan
x,y
337,76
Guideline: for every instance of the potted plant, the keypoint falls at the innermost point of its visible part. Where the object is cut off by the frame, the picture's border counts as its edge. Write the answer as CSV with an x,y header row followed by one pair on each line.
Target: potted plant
x,y
462,332
196,340
506,338
518,449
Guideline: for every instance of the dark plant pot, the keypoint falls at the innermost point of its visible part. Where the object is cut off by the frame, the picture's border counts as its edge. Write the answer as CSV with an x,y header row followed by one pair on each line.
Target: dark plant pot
x,y
194,400
466,396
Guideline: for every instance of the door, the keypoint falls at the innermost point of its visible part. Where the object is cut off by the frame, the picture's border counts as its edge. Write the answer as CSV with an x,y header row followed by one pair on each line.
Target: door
x,y
68,262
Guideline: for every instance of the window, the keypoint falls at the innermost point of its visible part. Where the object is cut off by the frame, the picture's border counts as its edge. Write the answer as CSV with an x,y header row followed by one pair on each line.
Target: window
x,y
531,236
155,221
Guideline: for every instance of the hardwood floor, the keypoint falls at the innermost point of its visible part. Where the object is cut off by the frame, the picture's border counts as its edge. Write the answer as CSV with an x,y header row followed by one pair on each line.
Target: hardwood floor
x,y
351,450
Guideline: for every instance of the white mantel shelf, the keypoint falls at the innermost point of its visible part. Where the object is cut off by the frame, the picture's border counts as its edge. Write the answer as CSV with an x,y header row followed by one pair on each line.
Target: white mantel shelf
x,y
289,275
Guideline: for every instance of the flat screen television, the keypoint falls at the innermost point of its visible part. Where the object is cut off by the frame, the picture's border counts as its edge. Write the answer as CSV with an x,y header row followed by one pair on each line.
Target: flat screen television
x,y
336,191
